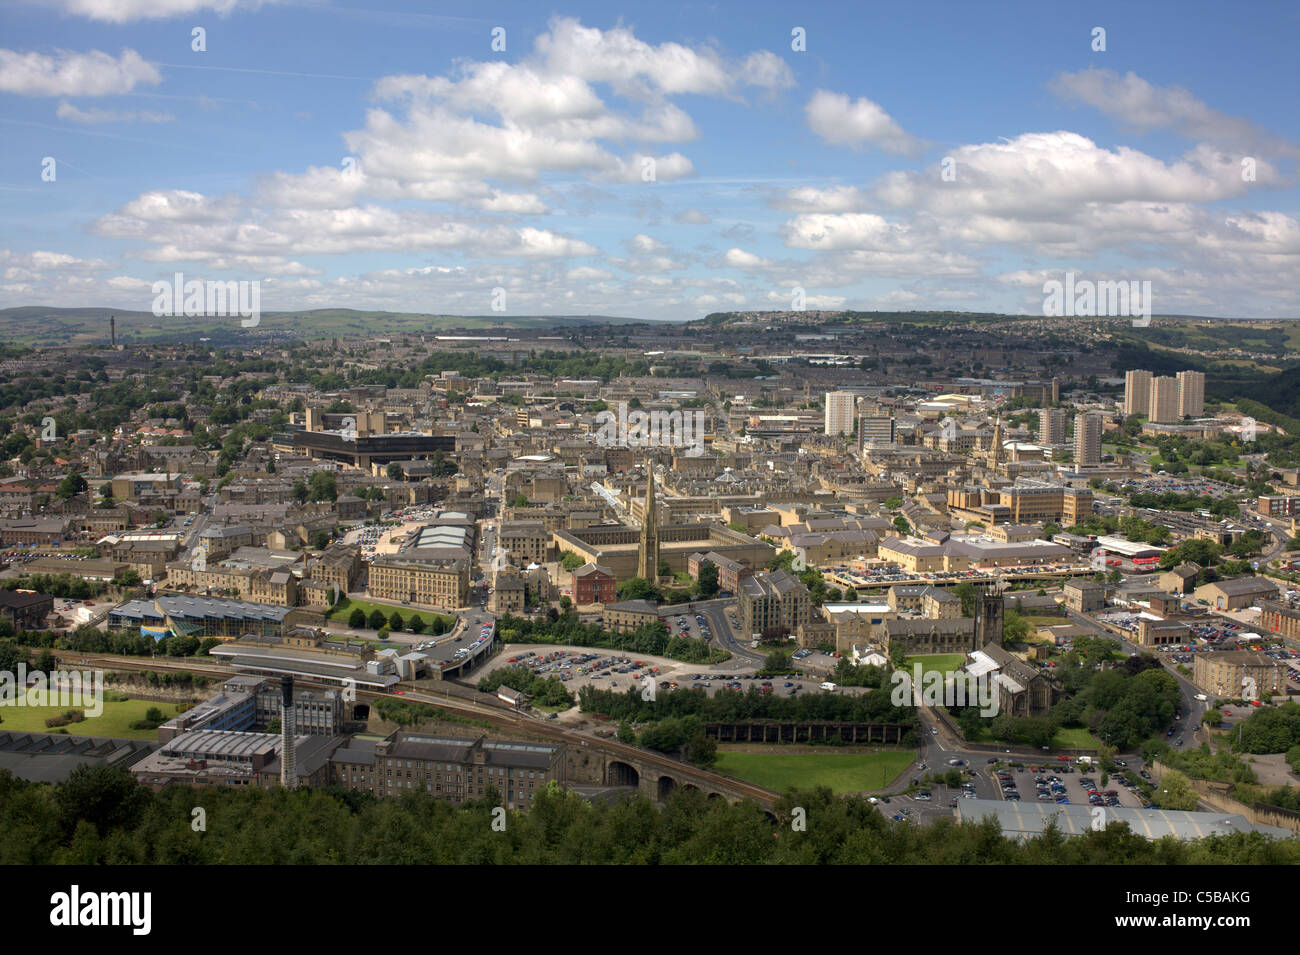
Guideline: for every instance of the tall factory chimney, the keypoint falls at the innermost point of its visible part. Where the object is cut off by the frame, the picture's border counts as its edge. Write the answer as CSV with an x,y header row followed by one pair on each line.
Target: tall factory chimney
x,y
288,769
112,329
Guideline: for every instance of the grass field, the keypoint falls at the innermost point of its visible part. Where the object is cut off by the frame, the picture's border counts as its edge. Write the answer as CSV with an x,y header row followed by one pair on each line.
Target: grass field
x,y
115,721
843,772
344,608
1076,736
943,662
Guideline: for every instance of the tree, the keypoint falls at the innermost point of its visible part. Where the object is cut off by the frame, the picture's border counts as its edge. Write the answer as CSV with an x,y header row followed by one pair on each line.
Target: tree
x,y
707,584
897,654
901,525
357,618
778,661
376,619
323,486
300,491
637,588
1175,792
417,623
107,797
320,539
128,578
967,592
395,621
570,561
74,483
701,750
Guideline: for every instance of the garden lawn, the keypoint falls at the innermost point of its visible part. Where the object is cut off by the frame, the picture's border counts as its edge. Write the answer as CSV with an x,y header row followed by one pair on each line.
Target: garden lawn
x,y
343,609
943,662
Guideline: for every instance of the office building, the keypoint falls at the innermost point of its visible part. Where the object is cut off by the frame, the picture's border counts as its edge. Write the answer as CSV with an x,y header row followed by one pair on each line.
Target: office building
x,y
773,604
875,429
1234,673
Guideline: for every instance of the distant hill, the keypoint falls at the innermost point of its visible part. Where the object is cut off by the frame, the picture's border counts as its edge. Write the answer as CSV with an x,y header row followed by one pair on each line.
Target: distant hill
x,y
43,325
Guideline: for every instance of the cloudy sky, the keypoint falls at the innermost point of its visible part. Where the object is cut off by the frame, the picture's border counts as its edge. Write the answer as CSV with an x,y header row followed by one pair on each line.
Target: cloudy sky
x,y
663,163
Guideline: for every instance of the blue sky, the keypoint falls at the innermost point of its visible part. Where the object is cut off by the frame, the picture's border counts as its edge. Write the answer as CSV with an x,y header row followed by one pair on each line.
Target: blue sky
x,y
473,169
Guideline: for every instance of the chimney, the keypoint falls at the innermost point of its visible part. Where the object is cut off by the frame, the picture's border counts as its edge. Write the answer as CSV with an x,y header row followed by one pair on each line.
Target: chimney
x,y
112,329
288,769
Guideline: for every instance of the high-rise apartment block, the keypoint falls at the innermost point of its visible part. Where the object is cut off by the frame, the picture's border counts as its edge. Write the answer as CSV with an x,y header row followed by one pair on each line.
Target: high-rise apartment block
x,y
1191,393
1051,426
1164,400
1137,392
1087,440
839,412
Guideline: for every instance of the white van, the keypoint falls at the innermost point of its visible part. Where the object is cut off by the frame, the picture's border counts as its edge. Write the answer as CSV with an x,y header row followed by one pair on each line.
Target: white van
x,y
828,686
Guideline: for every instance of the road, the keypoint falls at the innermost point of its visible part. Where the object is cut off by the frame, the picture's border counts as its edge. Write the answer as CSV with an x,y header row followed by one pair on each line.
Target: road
x,y
724,635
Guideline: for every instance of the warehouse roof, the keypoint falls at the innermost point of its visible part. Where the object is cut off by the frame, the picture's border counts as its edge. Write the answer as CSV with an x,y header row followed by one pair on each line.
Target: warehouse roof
x,y
1025,820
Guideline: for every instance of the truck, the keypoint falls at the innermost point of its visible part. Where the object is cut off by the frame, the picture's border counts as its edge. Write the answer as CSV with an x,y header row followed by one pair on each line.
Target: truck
x,y
828,685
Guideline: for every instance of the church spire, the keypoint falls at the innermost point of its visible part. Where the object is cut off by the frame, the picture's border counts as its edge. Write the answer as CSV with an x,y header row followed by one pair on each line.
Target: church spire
x,y
648,558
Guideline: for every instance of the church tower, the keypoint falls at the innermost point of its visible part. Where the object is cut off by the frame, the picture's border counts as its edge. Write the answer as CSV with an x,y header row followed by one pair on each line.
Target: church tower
x,y
648,560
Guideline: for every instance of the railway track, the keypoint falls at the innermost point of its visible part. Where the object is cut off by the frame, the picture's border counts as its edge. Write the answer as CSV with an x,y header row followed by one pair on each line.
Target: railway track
x,y
499,716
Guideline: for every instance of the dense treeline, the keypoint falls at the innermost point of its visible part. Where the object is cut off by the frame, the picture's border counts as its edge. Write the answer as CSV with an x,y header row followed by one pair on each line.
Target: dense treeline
x,y
89,639
101,817
728,705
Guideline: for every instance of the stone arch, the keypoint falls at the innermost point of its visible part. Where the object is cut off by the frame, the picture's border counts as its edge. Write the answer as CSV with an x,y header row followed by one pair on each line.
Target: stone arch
x,y
666,785
618,773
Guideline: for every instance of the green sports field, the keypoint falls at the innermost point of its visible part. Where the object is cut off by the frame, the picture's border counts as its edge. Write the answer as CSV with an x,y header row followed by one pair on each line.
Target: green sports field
x,y
842,772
